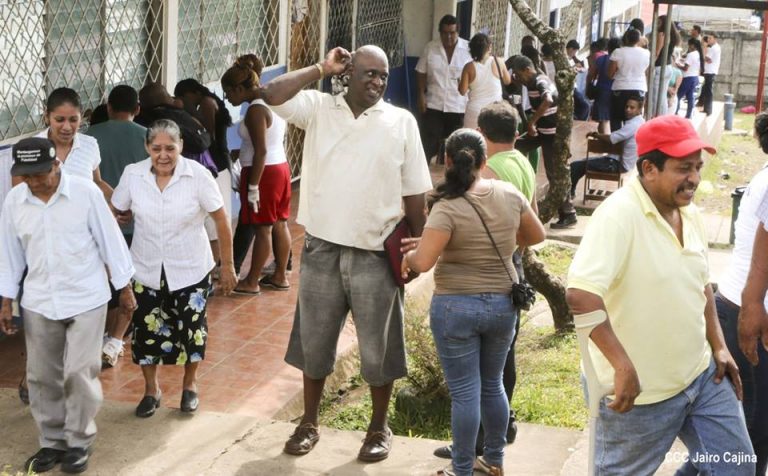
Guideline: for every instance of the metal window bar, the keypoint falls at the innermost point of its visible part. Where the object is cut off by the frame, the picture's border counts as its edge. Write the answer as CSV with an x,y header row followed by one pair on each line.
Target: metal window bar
x,y
88,45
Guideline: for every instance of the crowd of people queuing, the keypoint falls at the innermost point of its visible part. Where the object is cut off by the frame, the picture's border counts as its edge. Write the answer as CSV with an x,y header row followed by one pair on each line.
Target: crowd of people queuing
x,y
124,228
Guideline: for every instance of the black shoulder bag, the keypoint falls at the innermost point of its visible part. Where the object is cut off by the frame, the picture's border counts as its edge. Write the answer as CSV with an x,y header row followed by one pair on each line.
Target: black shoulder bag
x,y
523,294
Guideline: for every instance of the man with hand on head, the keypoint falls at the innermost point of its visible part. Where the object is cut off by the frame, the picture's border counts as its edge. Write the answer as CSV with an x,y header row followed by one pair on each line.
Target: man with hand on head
x,y
59,227
349,203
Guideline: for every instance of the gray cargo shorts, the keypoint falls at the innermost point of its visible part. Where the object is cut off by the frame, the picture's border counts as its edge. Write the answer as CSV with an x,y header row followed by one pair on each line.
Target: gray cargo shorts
x,y
333,281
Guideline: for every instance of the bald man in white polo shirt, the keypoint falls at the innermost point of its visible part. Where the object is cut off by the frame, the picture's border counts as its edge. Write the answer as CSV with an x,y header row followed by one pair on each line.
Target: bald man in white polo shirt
x,y
362,164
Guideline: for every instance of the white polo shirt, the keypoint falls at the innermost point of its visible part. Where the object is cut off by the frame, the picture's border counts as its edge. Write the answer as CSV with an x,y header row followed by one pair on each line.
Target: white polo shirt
x,y
355,172
443,77
65,244
83,158
168,226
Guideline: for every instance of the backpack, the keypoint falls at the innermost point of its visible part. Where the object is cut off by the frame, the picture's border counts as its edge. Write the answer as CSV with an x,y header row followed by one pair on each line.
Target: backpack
x,y
196,139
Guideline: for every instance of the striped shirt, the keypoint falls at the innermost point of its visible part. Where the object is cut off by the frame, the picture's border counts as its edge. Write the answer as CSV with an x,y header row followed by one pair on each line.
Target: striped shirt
x,y
83,158
539,90
168,225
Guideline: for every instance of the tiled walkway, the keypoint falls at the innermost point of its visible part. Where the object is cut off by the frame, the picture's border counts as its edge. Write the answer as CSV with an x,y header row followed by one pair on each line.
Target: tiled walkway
x,y
243,371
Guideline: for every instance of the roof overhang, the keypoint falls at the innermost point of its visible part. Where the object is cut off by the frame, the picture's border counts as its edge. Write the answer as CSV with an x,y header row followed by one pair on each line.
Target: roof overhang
x,y
748,4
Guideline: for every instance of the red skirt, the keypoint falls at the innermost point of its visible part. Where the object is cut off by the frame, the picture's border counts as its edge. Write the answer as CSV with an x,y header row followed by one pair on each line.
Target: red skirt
x,y
274,195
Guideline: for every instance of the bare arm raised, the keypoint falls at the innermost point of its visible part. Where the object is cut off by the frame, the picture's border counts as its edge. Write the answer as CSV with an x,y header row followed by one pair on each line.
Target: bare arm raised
x,y
286,86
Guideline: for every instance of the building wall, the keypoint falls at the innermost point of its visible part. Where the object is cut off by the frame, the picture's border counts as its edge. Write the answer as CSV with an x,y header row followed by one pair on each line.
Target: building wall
x,y
739,66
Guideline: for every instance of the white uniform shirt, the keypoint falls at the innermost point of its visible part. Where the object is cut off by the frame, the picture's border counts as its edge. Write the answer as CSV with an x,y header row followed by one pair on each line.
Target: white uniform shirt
x,y
355,171
749,219
632,61
442,77
713,53
83,158
65,243
693,60
168,226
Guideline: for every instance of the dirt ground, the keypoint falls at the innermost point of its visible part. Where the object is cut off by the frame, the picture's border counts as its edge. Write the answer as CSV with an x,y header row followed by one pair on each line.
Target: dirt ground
x,y
739,158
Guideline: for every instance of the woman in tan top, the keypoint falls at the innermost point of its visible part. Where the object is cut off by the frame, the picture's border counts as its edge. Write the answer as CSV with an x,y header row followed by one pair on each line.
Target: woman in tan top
x,y
472,315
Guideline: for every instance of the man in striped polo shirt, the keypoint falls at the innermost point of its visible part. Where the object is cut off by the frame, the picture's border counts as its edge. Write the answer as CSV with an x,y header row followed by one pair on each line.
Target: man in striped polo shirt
x,y
542,95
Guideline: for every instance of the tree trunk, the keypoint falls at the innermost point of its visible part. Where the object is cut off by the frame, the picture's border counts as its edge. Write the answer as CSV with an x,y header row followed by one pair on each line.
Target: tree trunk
x,y
551,286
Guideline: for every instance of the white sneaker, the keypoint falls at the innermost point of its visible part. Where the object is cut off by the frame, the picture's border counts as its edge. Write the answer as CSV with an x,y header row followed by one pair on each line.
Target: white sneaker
x,y
111,352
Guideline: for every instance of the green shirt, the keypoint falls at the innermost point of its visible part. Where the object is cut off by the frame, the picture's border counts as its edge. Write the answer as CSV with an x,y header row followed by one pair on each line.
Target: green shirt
x,y
512,166
121,143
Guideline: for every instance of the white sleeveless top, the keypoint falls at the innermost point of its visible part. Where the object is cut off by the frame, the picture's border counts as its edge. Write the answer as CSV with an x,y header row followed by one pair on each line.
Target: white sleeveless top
x,y
274,138
485,89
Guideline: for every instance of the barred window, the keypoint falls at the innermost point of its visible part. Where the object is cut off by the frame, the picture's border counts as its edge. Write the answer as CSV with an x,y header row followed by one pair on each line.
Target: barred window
x,y
88,45
212,33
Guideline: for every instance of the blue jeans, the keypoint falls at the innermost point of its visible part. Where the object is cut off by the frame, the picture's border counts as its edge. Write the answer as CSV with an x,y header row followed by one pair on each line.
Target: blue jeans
x,y
687,90
473,334
753,379
706,416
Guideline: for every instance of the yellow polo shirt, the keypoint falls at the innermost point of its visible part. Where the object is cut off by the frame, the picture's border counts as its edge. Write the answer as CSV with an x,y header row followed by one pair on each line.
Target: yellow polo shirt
x,y
653,289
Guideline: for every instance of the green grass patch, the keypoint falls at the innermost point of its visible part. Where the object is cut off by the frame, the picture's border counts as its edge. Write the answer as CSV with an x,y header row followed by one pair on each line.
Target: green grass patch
x,y
557,258
548,389
738,159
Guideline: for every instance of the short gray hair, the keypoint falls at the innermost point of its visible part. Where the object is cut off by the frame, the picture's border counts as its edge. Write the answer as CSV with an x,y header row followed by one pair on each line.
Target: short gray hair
x,y
164,126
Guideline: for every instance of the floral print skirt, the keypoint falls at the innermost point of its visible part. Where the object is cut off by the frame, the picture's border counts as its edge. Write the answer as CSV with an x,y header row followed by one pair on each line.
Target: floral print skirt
x,y
169,328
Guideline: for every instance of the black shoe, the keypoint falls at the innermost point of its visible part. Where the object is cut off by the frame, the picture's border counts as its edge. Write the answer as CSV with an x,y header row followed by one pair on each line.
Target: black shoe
x,y
511,428
75,461
189,401
44,460
24,391
147,406
568,221
443,452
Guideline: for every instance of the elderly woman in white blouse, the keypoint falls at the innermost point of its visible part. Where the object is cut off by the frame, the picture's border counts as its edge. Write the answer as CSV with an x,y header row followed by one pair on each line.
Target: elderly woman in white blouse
x,y
170,196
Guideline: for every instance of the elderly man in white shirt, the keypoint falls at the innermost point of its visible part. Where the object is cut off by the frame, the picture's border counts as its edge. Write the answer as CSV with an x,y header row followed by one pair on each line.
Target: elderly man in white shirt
x,y
437,85
60,228
362,164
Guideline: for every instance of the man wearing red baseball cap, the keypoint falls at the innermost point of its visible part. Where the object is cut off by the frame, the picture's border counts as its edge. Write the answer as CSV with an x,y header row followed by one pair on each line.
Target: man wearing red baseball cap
x,y
641,272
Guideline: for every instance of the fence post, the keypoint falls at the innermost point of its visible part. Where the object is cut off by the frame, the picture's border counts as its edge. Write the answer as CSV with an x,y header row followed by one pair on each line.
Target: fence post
x,y
170,44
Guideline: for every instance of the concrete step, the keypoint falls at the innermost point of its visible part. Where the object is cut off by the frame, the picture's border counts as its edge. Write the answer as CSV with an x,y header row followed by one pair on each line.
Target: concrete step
x,y
209,443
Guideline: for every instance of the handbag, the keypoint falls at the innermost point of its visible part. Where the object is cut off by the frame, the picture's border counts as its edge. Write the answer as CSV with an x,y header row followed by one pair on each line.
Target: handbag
x,y
392,245
523,295
504,94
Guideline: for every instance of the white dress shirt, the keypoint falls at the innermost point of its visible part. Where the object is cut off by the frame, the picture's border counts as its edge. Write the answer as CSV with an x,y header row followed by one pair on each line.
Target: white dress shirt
x,y
83,158
65,243
6,161
713,53
442,77
355,172
746,225
169,231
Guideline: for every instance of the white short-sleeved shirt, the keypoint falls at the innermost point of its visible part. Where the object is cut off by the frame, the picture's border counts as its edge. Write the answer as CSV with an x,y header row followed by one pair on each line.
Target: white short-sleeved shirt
x,y
632,62
693,60
713,53
746,225
355,171
168,226
627,135
6,161
83,158
442,77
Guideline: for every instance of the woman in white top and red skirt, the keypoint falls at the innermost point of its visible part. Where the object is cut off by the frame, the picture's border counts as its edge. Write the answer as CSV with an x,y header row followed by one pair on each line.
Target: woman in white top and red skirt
x,y
265,180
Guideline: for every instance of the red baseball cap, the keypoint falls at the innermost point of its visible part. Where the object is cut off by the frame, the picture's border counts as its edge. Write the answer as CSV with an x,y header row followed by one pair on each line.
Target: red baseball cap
x,y
672,135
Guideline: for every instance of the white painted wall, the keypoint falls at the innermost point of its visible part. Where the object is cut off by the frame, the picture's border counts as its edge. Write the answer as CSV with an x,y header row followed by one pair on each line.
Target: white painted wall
x,y
440,8
417,25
